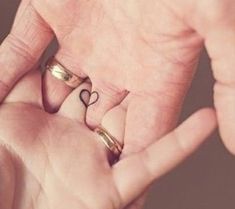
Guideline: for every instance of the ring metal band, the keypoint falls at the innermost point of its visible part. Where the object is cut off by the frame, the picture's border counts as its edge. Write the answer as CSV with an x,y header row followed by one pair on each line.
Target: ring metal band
x,y
110,142
60,72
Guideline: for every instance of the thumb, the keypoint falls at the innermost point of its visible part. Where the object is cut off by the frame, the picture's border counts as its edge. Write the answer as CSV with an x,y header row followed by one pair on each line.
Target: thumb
x,y
220,44
133,174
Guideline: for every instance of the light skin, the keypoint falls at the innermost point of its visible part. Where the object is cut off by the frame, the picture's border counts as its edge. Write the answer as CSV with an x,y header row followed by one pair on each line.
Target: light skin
x,y
56,161
146,50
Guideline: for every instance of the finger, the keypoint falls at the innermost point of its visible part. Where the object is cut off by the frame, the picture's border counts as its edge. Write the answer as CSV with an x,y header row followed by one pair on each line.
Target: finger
x,y
55,90
23,47
75,105
132,175
152,118
114,123
7,180
27,90
156,103
23,5
138,203
220,42
107,99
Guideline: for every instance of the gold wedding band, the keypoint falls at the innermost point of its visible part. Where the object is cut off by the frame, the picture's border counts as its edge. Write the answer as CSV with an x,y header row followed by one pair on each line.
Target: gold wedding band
x,y
110,142
60,72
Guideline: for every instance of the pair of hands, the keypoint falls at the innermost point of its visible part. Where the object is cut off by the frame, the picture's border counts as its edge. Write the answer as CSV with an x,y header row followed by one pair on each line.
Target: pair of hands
x,y
150,48
56,161
155,47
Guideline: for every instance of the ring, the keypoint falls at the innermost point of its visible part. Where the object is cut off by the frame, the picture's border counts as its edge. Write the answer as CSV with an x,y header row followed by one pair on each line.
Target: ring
x,y
110,142
61,73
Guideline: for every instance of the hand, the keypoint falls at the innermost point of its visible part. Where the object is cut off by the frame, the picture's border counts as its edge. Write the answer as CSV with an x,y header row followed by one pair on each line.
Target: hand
x,y
95,43
55,161
120,48
149,48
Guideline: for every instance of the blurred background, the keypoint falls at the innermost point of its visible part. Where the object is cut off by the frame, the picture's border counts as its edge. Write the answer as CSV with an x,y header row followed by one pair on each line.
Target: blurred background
x,y
207,179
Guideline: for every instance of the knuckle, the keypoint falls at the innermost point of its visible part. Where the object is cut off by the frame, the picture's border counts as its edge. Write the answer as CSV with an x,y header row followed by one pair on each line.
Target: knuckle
x,y
18,47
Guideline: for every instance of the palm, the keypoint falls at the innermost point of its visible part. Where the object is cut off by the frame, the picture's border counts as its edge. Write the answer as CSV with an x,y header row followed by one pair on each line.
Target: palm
x,y
149,47
56,158
128,41
55,161
94,32
151,60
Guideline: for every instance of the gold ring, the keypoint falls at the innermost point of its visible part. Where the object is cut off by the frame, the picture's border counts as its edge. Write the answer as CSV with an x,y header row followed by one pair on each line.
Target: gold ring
x,y
61,73
110,142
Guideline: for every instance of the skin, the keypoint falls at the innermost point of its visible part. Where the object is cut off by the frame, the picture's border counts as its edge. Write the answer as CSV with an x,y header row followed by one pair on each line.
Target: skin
x,y
154,62
56,161
145,53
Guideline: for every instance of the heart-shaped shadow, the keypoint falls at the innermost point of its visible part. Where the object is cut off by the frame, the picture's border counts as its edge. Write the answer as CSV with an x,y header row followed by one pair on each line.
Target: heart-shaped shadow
x,y
84,94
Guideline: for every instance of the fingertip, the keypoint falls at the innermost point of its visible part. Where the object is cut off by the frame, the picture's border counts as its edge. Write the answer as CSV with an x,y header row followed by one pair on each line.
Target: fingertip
x,y
196,129
225,111
208,112
205,117
228,140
